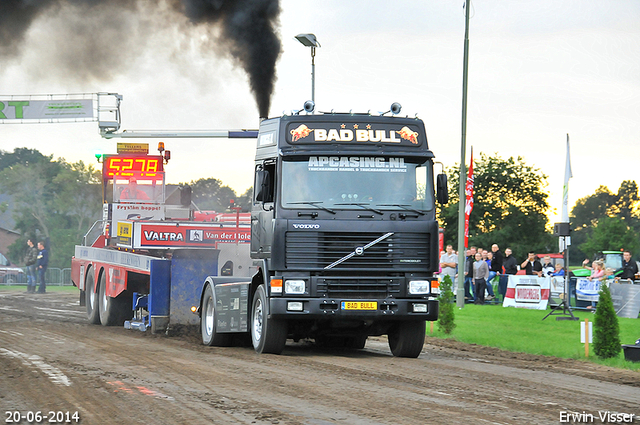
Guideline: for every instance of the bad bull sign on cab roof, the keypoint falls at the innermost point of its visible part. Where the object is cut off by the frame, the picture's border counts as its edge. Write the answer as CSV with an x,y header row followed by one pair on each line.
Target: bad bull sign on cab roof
x,y
301,133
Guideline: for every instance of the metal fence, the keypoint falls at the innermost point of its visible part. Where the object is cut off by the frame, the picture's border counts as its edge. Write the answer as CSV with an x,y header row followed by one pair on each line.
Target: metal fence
x,y
53,276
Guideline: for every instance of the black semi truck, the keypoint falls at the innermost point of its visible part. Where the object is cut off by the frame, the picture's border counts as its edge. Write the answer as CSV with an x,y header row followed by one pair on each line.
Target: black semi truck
x,y
343,226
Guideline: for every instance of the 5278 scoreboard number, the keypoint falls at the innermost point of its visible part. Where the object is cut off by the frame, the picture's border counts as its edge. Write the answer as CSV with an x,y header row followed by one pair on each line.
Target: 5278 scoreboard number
x,y
132,165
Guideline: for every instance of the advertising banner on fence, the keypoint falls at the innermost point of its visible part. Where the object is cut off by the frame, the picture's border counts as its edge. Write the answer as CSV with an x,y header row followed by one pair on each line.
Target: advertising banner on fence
x,y
527,292
556,290
587,290
626,299
46,109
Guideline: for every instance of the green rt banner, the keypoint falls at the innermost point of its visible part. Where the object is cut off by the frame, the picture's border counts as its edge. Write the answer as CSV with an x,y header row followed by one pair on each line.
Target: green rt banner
x,y
45,109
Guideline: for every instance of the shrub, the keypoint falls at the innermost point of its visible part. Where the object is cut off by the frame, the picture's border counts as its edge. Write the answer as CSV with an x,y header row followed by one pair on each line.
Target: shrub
x,y
446,319
606,341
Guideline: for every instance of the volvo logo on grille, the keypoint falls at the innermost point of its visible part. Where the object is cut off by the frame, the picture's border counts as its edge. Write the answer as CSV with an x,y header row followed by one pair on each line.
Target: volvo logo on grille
x,y
360,250
306,226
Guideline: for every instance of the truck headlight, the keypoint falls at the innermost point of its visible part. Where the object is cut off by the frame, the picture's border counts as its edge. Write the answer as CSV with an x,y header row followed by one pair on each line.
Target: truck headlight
x,y
418,287
294,287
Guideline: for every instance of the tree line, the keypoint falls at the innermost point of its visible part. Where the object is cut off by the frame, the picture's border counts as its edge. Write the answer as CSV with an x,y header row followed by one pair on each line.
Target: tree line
x,y
58,201
511,206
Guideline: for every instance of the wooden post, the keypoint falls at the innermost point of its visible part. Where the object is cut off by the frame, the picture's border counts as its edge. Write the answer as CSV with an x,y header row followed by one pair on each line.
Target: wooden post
x,y
586,338
431,332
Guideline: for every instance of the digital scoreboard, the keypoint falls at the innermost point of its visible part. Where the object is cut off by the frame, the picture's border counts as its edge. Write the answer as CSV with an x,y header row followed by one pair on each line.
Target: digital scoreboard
x,y
149,166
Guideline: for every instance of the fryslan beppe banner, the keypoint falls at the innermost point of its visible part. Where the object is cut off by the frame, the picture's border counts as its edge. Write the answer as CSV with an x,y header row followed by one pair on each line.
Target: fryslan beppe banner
x,y
46,109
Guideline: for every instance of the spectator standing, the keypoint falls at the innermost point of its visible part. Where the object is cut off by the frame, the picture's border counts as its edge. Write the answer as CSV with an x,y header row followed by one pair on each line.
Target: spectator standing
x,y
510,266
30,260
559,271
468,274
480,275
41,264
510,263
547,266
498,260
597,273
629,267
495,268
532,265
487,257
448,264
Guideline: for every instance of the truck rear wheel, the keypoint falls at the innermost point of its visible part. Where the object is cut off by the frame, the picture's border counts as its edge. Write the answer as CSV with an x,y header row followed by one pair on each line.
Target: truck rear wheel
x,y
267,335
112,310
91,298
208,322
406,339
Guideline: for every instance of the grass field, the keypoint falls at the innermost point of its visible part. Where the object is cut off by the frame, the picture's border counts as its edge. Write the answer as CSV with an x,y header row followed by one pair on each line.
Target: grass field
x,y
522,330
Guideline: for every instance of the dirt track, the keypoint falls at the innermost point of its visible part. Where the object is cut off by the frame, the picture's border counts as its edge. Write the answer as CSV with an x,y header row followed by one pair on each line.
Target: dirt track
x,y
52,360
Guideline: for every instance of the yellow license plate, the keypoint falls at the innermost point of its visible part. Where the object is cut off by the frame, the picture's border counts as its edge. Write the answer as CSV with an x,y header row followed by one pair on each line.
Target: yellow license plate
x,y
359,305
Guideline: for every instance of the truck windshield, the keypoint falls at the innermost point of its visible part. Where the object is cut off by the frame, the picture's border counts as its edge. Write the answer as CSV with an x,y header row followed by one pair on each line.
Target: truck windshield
x,y
382,183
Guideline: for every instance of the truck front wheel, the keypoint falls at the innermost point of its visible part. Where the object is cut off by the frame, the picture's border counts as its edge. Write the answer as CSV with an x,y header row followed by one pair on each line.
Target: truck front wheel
x,y
91,298
406,339
208,322
267,335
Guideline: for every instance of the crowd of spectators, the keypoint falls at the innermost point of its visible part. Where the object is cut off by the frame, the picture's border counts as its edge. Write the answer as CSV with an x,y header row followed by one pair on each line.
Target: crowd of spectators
x,y
482,266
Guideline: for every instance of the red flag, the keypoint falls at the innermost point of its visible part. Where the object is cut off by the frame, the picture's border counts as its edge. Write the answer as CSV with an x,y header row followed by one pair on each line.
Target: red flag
x,y
469,201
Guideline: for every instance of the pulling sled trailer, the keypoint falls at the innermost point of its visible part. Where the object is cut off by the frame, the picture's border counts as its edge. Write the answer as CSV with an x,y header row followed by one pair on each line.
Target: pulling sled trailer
x,y
147,267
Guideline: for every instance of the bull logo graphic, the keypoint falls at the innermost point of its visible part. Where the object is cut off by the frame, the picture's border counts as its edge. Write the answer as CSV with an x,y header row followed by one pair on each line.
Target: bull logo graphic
x,y
300,133
406,133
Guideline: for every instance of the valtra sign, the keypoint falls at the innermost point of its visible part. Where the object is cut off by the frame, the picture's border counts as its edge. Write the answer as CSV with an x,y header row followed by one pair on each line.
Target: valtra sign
x,y
139,234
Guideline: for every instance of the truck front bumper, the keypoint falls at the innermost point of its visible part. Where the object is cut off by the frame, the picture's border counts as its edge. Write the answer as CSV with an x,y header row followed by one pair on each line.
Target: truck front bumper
x,y
342,309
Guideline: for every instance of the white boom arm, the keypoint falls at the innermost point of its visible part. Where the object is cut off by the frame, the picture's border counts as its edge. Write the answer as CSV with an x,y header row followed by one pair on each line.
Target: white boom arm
x,y
109,124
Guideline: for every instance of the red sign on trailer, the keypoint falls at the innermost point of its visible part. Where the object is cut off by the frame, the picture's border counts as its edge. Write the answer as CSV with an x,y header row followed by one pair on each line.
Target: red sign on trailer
x,y
170,235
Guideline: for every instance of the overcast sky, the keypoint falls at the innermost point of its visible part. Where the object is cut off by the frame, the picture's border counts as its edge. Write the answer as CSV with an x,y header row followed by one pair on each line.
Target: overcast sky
x,y
538,70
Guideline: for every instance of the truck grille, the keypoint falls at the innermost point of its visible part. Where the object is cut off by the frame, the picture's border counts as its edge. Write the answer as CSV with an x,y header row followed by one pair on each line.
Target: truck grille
x,y
316,250
358,287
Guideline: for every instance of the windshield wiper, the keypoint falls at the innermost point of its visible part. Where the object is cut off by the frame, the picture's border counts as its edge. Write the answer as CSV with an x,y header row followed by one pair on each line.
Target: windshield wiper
x,y
313,203
403,206
365,206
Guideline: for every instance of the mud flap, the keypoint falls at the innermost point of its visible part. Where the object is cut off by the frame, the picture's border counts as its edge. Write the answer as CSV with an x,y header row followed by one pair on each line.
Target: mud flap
x,y
189,269
159,294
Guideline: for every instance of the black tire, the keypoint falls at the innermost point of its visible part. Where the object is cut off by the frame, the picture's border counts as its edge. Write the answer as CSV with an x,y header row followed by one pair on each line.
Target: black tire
x,y
267,335
91,298
208,322
406,339
112,311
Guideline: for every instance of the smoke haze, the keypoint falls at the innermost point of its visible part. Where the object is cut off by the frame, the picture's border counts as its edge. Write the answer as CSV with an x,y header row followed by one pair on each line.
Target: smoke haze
x,y
96,40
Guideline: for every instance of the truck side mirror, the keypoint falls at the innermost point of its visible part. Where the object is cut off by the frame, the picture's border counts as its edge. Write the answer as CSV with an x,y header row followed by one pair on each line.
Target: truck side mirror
x,y
263,186
442,191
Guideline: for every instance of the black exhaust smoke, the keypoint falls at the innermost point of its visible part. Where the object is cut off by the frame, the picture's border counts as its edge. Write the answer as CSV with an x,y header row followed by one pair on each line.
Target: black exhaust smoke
x,y
247,29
